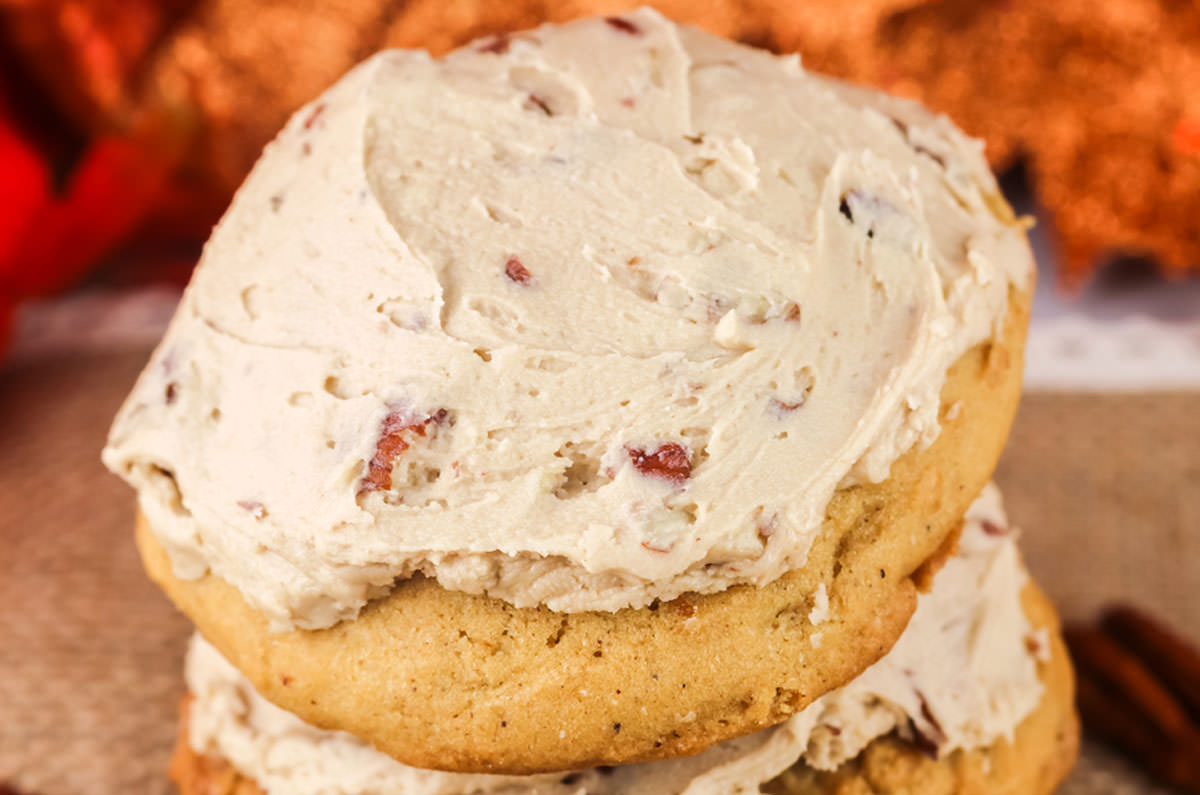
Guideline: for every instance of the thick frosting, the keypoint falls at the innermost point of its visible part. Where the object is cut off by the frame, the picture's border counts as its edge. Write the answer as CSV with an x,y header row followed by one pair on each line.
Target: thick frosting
x,y
585,317
962,675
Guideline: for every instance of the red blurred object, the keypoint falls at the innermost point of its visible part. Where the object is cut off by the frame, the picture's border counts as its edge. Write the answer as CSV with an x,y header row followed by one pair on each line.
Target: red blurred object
x,y
49,238
163,105
90,171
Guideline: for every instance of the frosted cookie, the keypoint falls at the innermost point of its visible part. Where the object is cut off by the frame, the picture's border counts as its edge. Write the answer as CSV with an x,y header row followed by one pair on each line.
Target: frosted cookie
x,y
976,697
530,371
514,680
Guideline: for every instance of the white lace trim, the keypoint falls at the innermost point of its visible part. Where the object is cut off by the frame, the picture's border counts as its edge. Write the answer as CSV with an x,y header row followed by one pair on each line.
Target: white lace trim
x,y
93,320
1076,351
1144,338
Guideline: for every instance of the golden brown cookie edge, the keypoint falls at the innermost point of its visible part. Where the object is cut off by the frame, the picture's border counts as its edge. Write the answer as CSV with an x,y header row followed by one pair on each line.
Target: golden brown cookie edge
x,y
424,669
1041,753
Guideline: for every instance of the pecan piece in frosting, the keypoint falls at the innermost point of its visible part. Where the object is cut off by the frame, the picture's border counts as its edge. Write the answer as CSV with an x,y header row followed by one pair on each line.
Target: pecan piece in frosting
x,y
314,115
781,408
669,461
399,430
534,101
497,45
931,738
516,271
623,25
993,529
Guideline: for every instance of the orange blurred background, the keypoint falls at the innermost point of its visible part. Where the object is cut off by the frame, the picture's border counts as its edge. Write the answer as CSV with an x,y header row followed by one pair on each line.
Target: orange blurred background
x,y
126,125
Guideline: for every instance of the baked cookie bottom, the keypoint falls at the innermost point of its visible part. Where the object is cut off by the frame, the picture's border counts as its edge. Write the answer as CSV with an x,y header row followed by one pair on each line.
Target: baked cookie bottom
x,y
1041,753
441,679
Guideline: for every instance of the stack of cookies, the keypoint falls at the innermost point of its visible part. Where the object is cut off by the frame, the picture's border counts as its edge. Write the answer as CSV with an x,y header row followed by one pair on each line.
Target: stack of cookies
x,y
603,409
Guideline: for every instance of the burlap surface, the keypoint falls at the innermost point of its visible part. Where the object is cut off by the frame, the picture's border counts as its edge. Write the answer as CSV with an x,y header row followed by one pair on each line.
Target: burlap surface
x,y
1107,486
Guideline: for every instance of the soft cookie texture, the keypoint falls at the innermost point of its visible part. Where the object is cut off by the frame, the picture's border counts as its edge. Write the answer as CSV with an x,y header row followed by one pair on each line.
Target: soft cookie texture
x,y
586,318
442,679
1041,751
588,396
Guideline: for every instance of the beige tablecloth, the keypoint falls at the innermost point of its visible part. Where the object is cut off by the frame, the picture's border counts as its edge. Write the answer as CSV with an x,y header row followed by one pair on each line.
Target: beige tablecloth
x,y
1107,488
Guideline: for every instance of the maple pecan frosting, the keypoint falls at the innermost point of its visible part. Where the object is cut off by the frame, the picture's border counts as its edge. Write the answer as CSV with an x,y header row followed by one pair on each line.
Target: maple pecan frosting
x,y
584,317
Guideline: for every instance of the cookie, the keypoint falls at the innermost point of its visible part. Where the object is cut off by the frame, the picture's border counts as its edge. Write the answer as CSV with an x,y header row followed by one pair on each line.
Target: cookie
x,y
438,678
519,403
1037,754
468,458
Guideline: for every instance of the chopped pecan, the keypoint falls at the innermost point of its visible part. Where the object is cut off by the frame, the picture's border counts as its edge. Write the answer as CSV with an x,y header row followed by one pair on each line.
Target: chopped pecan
x,y
623,25
533,100
517,272
1136,688
313,115
992,529
670,461
1174,662
924,743
930,736
497,45
399,430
